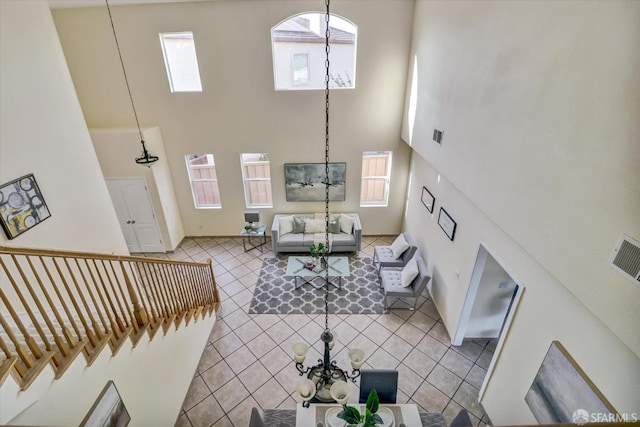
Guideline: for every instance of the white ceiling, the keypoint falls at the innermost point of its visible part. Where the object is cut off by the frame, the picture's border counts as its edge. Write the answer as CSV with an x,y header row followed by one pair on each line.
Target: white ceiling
x,y
59,4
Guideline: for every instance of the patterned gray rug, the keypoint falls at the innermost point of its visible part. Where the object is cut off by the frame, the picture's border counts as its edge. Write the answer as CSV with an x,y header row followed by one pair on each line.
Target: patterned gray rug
x,y
275,293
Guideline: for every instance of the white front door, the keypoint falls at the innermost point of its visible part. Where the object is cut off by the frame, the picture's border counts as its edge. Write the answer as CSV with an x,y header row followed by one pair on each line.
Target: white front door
x,y
135,213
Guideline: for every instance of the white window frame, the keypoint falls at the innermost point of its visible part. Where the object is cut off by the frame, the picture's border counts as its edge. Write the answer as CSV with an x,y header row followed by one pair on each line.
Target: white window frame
x,y
386,178
246,181
293,69
193,180
188,35
284,41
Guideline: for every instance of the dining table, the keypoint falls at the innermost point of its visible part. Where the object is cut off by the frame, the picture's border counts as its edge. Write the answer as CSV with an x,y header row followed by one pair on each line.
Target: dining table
x,y
324,415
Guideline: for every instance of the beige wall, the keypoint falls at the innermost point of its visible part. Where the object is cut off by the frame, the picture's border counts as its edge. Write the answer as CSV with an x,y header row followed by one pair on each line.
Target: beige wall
x,y
239,110
42,131
117,149
538,102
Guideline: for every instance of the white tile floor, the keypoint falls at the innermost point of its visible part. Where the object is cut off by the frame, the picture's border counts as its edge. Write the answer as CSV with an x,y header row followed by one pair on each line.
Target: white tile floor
x,y
247,361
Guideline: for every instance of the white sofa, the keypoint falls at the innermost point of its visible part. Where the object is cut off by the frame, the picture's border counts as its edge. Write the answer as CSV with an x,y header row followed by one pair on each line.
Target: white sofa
x,y
292,241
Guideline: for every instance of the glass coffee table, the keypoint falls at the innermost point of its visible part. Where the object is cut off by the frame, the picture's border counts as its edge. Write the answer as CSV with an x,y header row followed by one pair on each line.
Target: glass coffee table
x,y
337,266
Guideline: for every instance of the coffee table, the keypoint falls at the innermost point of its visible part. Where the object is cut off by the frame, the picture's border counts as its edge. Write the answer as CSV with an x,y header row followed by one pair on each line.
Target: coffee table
x,y
337,266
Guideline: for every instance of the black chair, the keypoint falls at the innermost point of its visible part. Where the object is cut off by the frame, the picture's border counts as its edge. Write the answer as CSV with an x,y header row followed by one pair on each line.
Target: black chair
x,y
256,419
385,381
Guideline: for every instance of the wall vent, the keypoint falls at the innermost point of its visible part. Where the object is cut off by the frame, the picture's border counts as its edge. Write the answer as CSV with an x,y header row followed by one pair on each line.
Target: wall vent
x,y
437,136
626,258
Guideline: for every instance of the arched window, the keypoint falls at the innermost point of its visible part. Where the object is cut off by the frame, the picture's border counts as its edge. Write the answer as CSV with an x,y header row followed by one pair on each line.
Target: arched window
x,y
298,45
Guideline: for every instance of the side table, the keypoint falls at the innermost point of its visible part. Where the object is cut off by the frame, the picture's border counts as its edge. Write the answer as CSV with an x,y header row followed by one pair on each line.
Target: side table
x,y
259,236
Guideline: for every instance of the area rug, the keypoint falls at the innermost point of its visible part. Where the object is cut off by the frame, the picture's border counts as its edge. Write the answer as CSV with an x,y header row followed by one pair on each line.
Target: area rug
x,y
275,293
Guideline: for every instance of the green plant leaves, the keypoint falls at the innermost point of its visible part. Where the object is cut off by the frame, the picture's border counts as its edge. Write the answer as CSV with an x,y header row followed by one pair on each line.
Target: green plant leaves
x,y
373,401
350,414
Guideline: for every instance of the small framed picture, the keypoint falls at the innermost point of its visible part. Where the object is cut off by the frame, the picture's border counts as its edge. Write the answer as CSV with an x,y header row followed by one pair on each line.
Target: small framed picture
x,y
447,224
21,206
427,199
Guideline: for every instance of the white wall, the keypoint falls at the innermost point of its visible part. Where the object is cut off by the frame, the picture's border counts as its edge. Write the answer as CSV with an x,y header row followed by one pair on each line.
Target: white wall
x,y
239,110
117,149
151,383
538,102
42,131
541,131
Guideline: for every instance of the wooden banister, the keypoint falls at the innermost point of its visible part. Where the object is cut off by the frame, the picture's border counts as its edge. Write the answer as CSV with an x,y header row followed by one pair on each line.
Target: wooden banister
x,y
78,302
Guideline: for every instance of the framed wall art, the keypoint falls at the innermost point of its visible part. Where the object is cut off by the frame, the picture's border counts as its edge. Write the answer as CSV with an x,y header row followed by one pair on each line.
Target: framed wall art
x,y
447,224
304,182
108,410
427,199
562,393
21,206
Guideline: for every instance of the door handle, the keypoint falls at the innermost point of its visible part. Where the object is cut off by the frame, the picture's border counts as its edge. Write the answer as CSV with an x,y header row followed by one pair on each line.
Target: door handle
x,y
128,222
133,222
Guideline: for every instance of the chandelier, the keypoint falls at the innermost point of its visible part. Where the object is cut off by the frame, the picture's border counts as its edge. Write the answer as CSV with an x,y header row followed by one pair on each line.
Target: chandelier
x,y
145,158
326,382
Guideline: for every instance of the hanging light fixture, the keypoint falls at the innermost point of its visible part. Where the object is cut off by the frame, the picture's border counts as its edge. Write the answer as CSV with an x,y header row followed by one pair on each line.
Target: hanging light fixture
x,y
326,382
145,158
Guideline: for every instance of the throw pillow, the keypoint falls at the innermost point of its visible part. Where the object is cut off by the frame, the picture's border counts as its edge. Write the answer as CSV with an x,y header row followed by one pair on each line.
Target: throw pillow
x,y
346,224
409,272
314,226
334,224
298,224
285,224
399,246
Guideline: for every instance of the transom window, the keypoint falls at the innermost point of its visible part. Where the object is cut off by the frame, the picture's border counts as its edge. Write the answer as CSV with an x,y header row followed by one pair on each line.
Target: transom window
x,y
204,181
376,176
298,45
181,61
256,175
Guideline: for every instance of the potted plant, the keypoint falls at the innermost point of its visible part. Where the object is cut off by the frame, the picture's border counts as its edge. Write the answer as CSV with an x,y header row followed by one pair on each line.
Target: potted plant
x,y
317,251
369,418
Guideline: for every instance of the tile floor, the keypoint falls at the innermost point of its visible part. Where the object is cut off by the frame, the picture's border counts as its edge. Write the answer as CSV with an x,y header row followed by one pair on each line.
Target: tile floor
x,y
247,360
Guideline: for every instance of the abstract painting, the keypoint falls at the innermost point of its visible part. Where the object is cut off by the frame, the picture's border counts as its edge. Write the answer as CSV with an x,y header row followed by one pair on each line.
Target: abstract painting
x,y
304,182
21,206
561,392
108,410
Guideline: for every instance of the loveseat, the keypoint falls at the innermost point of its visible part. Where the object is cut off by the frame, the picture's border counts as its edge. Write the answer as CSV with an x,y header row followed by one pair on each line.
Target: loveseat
x,y
296,232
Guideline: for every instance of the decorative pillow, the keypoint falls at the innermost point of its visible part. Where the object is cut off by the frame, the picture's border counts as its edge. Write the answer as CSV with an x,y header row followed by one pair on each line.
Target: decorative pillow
x,y
314,226
285,224
399,246
409,272
298,224
334,224
346,224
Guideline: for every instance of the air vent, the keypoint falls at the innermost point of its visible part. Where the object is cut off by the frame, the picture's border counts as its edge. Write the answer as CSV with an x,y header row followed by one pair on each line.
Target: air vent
x,y
626,258
437,136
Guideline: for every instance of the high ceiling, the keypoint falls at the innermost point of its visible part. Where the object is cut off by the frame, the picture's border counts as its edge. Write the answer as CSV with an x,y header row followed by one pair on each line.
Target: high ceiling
x,y
59,4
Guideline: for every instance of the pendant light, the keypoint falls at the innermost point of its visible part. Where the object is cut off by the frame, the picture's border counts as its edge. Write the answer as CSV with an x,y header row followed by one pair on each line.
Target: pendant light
x,y
145,159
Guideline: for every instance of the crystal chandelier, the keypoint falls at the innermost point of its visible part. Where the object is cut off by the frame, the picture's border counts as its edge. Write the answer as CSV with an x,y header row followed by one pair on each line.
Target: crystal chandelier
x,y
145,158
326,382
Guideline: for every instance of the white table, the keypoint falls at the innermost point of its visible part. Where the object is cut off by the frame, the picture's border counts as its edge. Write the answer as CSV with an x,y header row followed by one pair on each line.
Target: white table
x,y
307,417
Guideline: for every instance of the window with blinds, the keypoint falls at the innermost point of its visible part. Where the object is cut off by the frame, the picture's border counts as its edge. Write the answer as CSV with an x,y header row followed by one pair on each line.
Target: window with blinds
x,y
256,174
376,176
204,181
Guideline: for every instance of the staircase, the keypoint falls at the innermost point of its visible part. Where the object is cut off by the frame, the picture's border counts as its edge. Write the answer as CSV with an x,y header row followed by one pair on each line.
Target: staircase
x,y
58,305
